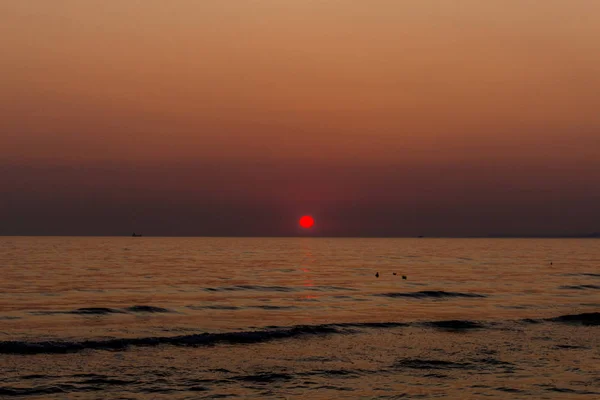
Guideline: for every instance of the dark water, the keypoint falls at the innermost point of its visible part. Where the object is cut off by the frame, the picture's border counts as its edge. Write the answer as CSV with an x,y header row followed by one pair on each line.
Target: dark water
x,y
299,318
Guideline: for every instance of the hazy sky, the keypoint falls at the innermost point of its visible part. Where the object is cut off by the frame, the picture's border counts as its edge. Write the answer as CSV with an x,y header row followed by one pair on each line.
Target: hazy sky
x,y
379,117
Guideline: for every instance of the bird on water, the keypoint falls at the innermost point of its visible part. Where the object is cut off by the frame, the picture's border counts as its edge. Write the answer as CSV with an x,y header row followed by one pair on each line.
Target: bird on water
x,y
377,274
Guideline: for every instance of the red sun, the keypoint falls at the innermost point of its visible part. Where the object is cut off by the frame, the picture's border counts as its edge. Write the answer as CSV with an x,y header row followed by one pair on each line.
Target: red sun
x,y
306,221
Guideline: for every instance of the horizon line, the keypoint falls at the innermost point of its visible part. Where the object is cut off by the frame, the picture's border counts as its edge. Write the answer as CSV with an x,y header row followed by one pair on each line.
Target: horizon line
x,y
594,235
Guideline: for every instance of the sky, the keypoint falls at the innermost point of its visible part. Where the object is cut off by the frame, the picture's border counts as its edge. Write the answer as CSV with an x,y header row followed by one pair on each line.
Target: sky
x,y
235,118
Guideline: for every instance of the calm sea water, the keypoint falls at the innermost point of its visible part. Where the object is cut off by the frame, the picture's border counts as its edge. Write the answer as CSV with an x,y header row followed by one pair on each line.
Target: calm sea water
x,y
130,318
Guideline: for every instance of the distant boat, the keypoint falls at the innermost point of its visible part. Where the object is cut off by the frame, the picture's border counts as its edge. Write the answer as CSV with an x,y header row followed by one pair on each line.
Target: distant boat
x,y
134,235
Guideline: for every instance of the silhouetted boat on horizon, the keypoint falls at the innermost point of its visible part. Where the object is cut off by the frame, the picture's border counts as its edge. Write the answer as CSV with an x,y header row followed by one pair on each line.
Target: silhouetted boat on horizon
x,y
134,235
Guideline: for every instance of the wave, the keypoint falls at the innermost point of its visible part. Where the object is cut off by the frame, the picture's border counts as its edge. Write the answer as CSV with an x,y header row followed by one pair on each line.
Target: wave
x,y
204,339
455,325
263,307
588,319
83,311
99,380
106,310
569,347
217,307
250,287
147,309
509,390
89,385
580,287
493,362
371,325
551,388
480,364
434,294
35,391
270,307
259,288
531,321
260,336
264,377
590,274
329,288
413,363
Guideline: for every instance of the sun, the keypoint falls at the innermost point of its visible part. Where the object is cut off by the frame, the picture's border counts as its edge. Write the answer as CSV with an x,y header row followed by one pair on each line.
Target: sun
x,y
306,221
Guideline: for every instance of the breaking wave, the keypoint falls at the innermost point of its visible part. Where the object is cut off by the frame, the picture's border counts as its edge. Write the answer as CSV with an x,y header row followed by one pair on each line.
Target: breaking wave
x,y
259,336
204,339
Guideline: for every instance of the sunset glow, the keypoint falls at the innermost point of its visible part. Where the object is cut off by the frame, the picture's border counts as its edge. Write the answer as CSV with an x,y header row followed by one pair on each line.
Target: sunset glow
x,y
390,117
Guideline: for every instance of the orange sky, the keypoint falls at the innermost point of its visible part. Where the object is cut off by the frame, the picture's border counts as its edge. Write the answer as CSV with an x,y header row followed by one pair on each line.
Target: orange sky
x,y
330,95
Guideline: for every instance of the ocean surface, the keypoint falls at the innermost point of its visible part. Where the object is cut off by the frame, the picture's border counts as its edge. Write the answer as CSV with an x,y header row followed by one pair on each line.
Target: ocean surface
x,y
194,318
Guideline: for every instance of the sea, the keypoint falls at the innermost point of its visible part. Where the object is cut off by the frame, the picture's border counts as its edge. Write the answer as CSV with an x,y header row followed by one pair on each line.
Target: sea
x,y
310,318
